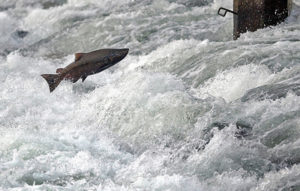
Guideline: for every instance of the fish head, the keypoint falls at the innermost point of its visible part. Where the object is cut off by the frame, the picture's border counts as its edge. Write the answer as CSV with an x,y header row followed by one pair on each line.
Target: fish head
x,y
116,55
108,56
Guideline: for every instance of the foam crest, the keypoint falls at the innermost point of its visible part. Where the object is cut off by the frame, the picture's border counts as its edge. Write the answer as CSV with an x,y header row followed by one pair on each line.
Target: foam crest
x,y
167,117
232,84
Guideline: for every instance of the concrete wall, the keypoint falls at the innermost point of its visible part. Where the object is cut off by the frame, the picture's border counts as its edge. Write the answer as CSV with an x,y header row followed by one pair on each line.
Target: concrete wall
x,y
256,14
290,5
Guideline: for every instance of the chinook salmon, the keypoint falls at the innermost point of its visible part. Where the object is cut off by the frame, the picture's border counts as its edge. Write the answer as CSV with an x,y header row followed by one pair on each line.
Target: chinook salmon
x,y
86,64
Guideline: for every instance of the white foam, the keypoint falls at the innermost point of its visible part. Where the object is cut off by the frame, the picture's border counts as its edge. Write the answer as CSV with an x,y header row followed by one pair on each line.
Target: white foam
x,y
274,180
101,3
138,125
232,84
8,27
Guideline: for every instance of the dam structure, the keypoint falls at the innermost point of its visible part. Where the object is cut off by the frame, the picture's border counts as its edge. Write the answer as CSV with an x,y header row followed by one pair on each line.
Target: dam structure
x,y
255,14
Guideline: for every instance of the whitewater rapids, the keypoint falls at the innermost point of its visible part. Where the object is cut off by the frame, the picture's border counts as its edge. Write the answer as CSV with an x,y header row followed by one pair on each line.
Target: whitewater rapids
x,y
188,109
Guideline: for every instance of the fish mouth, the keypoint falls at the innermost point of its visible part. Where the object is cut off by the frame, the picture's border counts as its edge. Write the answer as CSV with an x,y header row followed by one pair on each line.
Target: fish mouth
x,y
120,54
124,52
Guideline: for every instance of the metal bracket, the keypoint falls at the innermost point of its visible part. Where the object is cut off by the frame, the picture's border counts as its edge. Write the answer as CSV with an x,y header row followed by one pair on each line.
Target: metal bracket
x,y
226,10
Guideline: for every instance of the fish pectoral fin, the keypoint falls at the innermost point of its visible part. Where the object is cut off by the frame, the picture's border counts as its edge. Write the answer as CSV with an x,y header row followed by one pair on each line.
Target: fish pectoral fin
x,y
74,80
78,56
83,78
59,70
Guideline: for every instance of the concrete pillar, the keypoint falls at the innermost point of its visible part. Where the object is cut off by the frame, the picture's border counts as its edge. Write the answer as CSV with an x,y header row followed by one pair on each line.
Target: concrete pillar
x,y
256,14
290,4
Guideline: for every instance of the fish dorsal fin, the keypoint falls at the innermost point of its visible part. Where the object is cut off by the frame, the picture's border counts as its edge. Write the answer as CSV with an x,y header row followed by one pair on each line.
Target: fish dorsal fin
x,y
78,56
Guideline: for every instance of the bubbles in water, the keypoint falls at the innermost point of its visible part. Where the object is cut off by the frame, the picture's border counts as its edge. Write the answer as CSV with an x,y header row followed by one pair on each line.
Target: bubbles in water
x,y
168,117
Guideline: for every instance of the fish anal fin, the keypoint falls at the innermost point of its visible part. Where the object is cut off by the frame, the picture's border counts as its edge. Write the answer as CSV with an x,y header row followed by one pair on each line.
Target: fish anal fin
x,y
74,80
59,70
78,56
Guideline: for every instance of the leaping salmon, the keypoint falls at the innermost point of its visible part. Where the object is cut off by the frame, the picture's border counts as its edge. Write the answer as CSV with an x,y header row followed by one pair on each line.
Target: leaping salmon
x,y
86,64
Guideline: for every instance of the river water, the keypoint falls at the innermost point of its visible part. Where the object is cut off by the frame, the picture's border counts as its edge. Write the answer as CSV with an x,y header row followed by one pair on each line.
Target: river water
x,y
188,109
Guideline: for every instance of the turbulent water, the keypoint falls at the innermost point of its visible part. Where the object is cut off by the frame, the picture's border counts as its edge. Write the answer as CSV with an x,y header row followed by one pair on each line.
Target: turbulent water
x,y
188,109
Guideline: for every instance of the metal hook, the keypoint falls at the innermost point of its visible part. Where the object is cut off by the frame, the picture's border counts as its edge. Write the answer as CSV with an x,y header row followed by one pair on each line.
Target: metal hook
x,y
226,10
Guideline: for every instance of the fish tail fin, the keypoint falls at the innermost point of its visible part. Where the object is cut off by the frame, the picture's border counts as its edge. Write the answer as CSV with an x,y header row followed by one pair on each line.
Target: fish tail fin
x,y
53,80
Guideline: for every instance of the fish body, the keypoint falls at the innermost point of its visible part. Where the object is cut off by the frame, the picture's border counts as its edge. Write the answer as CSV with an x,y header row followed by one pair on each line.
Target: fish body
x,y
86,64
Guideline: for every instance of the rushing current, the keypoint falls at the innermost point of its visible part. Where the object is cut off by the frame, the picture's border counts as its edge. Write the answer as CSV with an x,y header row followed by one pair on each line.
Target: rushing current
x,y
188,109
